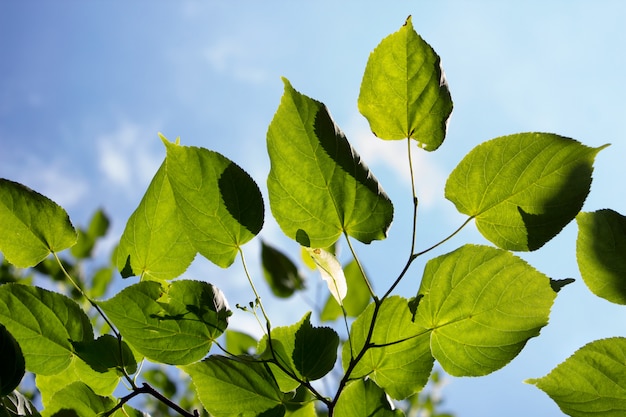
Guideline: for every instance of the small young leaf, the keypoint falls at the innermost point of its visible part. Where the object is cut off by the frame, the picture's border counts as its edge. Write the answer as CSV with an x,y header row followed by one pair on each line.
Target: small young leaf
x,y
230,387
45,324
404,92
154,244
98,227
601,253
318,186
175,324
524,188
32,225
220,205
481,304
400,361
331,272
357,297
364,398
280,272
591,382
12,366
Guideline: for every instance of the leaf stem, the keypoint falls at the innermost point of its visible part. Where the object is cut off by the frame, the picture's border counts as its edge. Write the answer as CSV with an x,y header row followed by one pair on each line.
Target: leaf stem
x,y
147,389
358,262
414,193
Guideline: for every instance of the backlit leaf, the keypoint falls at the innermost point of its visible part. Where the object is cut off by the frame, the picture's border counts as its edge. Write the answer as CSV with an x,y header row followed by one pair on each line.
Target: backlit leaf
x,y
32,225
234,386
357,297
318,186
331,272
601,253
45,324
280,272
481,304
591,382
400,361
154,244
219,204
81,400
174,324
364,398
522,189
404,93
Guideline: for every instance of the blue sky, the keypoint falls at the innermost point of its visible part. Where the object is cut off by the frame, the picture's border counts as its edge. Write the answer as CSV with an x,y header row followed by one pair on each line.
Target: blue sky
x,y
86,86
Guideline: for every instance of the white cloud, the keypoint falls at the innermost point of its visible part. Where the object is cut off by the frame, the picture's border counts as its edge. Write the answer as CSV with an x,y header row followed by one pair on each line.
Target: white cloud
x,y
231,56
430,178
125,156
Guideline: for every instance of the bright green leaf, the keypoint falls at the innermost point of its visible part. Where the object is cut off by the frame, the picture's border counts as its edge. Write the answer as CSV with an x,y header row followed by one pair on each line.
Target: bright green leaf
x,y
524,188
45,324
482,305
12,365
331,272
404,93
357,297
280,272
239,343
219,204
400,360
154,244
364,398
234,386
81,400
98,227
309,352
32,225
601,253
591,382
176,324
318,186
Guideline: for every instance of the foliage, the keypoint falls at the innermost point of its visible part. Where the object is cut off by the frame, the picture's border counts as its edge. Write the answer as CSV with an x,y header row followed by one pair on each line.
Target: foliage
x,y
474,311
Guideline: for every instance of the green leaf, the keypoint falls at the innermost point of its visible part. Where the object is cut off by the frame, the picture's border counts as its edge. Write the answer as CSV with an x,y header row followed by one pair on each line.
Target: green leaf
x,y
591,382
234,386
98,227
309,352
219,204
400,360
12,365
79,399
280,272
154,244
45,324
239,343
331,272
318,186
601,253
33,226
524,188
481,304
173,324
357,297
106,353
364,398
404,93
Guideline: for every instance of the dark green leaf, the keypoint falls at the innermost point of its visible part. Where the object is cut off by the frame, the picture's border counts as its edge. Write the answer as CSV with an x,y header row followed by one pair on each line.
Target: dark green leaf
x,y
591,382
601,253
481,304
524,188
16,404
357,298
404,93
364,398
154,244
280,272
234,386
32,225
318,186
173,324
399,360
12,365
219,204
106,353
45,324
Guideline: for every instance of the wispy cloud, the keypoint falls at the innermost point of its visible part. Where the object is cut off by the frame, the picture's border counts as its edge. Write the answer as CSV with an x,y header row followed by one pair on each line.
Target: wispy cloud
x,y
232,56
126,156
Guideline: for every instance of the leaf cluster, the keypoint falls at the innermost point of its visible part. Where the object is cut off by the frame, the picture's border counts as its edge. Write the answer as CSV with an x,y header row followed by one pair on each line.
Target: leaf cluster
x,y
475,308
